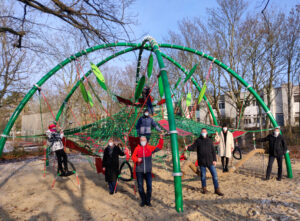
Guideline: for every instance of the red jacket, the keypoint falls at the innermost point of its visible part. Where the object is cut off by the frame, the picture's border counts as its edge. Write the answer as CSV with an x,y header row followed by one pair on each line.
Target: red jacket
x,y
146,154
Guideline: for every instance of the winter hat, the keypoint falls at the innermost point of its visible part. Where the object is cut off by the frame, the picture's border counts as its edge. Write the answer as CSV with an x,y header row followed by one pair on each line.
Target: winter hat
x,y
52,127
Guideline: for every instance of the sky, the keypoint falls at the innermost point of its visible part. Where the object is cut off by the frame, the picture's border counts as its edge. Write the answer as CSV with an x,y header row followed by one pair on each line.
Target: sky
x,y
158,17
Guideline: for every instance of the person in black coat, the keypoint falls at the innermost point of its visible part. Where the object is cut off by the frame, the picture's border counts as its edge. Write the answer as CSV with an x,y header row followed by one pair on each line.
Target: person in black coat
x,y
111,164
277,148
207,158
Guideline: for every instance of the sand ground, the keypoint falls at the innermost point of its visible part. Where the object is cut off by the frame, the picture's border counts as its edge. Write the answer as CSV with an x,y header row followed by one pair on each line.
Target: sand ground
x,y
26,195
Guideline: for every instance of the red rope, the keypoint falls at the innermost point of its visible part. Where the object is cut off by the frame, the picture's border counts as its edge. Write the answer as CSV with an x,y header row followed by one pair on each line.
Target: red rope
x,y
141,108
106,111
78,74
74,116
206,79
49,107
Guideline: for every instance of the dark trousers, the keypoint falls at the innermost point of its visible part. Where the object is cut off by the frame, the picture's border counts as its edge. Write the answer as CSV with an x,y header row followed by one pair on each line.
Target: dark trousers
x,y
270,164
140,176
225,166
61,159
112,186
149,106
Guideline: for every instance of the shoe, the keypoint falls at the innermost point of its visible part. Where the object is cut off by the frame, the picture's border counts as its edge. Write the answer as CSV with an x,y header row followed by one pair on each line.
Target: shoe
x,y
111,193
218,192
278,179
267,178
69,173
226,170
223,170
204,190
142,204
149,204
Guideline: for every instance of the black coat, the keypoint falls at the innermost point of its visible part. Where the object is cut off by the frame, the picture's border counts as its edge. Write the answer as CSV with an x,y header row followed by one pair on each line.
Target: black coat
x,y
206,152
111,163
277,145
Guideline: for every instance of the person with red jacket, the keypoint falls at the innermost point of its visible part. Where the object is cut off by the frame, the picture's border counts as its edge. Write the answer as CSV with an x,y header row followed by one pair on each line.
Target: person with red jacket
x,y
142,158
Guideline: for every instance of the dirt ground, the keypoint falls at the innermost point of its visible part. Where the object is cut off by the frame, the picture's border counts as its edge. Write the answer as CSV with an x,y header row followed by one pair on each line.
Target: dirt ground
x,y
26,195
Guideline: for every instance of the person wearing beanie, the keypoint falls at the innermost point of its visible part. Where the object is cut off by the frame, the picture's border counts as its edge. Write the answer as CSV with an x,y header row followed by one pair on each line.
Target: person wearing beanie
x,y
54,140
226,146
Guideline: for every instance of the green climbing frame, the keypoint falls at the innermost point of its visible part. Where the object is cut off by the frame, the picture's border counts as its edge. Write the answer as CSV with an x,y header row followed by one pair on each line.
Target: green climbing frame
x,y
91,129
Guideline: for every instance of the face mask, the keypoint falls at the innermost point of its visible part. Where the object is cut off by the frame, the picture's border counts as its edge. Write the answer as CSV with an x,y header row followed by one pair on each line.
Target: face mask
x,y
146,114
276,133
224,129
143,143
110,144
204,134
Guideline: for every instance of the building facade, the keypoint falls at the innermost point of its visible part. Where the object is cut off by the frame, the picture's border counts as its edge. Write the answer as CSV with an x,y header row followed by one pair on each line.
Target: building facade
x,y
253,112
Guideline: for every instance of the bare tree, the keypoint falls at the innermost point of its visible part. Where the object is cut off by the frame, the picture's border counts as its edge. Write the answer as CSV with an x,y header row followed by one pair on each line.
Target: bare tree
x,y
291,56
273,25
12,71
96,21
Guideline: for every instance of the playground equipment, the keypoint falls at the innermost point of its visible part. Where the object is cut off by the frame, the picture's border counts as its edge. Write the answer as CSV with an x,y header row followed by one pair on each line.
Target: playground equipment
x,y
121,125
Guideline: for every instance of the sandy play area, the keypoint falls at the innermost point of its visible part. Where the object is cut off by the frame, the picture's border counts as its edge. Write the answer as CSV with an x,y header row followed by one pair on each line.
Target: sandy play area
x,y
26,195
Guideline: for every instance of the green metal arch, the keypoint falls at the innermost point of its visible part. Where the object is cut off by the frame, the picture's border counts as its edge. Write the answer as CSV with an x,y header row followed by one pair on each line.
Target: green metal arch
x,y
123,52
155,48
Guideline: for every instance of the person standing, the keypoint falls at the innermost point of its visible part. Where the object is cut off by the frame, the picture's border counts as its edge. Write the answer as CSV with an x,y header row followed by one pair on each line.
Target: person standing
x,y
277,148
145,124
147,99
111,164
142,158
54,140
226,146
207,158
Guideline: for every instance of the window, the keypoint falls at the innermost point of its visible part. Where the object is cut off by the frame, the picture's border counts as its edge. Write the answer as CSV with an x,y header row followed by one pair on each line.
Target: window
x,y
297,98
254,102
247,121
280,119
221,105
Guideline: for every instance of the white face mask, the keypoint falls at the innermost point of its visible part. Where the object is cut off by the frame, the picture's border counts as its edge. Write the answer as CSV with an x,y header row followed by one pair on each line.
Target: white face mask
x,y
224,129
146,114
204,134
143,143
276,134
110,144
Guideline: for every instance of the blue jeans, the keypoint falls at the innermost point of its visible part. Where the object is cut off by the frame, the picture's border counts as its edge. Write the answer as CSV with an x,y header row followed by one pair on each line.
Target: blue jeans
x,y
140,176
213,173
112,187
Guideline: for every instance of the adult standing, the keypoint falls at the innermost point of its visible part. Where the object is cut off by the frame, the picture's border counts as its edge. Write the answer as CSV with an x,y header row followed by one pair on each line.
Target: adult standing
x,y
111,164
277,148
226,146
142,158
145,124
207,158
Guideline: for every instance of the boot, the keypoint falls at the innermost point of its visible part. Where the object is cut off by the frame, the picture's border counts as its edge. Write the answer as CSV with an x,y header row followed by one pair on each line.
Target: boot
x,y
204,190
218,192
